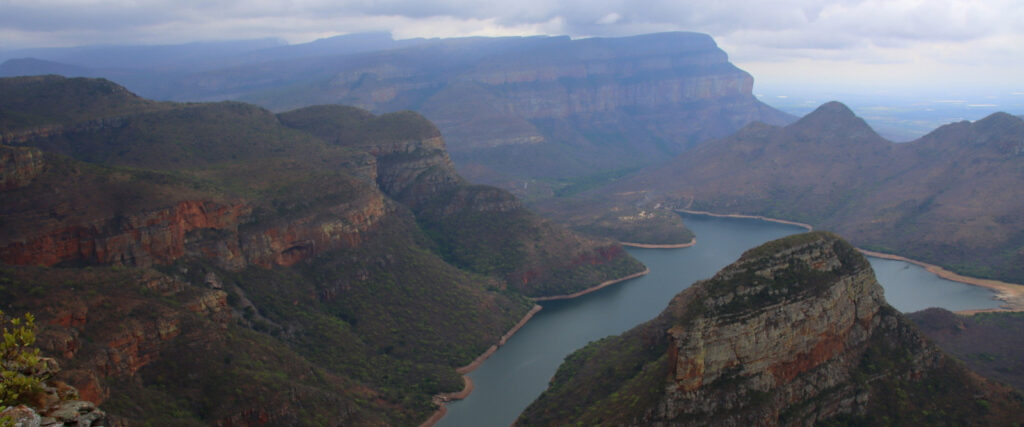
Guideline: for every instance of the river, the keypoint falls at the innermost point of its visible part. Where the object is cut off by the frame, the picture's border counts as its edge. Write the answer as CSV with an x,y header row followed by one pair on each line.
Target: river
x,y
518,372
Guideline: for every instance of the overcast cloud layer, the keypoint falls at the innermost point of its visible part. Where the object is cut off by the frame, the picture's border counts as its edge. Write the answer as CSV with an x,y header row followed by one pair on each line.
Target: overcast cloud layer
x,y
858,43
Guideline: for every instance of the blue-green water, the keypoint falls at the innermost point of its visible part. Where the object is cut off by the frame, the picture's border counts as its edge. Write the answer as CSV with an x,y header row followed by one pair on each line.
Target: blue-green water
x,y
517,373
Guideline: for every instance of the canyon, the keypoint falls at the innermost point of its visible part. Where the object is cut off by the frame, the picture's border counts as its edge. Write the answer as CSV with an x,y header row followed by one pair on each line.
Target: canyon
x,y
215,263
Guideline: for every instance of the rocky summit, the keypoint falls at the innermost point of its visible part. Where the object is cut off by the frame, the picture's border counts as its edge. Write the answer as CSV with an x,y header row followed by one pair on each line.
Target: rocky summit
x,y
796,332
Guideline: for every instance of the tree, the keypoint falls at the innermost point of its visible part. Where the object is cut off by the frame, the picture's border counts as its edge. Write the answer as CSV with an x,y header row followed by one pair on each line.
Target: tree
x,y
21,371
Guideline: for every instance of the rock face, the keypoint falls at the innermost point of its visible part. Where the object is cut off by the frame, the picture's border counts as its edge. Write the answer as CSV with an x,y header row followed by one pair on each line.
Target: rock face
x,y
949,198
56,404
797,332
18,166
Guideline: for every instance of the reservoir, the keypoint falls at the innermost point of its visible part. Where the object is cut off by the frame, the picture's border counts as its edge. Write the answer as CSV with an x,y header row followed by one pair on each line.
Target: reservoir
x,y
519,371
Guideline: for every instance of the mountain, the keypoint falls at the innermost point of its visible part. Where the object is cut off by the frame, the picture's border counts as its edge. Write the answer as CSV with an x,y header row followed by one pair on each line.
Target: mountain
x,y
215,263
796,332
988,343
530,114
948,198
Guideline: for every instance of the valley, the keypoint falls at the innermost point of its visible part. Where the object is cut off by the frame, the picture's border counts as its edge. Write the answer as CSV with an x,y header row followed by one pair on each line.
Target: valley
x,y
350,231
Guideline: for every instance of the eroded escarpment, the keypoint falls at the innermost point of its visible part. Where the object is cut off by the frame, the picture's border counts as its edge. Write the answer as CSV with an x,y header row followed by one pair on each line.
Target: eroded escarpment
x,y
796,332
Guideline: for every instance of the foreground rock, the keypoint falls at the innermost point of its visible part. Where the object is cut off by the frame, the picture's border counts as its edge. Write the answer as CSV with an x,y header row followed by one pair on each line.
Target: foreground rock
x,y
796,332
57,404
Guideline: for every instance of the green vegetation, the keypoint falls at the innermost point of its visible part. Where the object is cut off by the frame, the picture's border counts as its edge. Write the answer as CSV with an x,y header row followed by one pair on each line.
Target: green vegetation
x,y
328,268
609,381
591,182
19,360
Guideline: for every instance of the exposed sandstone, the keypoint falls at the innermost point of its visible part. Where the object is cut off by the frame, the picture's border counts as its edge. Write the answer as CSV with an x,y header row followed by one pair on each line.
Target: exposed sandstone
x,y
18,166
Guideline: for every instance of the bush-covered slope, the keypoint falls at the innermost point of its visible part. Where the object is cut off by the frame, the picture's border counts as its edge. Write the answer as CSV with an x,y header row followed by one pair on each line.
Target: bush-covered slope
x,y
204,263
950,198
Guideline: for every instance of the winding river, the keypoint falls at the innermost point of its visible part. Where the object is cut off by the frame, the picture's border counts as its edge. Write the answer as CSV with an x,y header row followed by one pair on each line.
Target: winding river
x,y
516,374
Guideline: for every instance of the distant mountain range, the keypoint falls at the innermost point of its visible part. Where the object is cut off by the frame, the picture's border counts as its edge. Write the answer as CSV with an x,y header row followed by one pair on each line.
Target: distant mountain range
x,y
215,263
531,114
951,197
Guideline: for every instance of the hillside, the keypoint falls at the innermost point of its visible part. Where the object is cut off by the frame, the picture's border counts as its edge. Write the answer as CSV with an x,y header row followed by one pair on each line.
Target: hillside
x,y
530,114
199,264
948,198
796,332
988,343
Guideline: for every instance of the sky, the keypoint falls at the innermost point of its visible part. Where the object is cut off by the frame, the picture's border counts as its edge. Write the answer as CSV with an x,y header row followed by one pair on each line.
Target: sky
x,y
943,48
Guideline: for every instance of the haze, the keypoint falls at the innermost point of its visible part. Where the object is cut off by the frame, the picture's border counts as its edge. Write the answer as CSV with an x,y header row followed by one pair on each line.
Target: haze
x,y
891,54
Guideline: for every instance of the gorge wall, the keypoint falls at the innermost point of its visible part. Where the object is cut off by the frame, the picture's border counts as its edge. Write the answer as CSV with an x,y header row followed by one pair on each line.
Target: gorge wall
x,y
197,264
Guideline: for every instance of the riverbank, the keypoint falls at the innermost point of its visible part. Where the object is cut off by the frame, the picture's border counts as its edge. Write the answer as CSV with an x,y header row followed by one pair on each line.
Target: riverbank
x,y
595,288
692,242
467,383
762,218
467,388
1009,293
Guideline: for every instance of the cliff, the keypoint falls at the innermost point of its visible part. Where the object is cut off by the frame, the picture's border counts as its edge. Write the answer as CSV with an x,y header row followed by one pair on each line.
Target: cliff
x,y
948,198
545,112
197,264
467,223
796,332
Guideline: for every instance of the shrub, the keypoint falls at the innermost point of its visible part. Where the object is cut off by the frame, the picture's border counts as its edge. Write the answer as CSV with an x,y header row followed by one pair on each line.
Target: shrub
x,y
19,360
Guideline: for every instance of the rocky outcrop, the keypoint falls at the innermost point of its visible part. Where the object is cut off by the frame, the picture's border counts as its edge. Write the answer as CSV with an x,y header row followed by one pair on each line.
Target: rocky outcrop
x,y
791,324
56,404
139,239
18,166
797,332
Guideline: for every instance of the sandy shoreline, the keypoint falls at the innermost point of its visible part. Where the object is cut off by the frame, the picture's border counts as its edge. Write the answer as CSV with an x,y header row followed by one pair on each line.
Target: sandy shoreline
x,y
762,218
692,242
1009,293
442,398
595,288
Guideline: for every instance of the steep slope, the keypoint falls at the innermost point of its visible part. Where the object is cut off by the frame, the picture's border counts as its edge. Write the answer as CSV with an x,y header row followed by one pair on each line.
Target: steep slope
x,y
948,198
796,332
989,343
469,224
204,264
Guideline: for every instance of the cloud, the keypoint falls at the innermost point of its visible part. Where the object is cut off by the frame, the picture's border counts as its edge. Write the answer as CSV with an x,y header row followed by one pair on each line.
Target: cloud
x,y
850,38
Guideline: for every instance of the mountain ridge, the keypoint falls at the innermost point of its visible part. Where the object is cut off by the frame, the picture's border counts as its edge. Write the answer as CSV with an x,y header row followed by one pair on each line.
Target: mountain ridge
x,y
941,199
528,114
